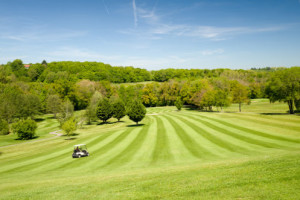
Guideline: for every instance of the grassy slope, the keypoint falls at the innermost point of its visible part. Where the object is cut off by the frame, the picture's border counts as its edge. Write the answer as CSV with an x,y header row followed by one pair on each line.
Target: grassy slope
x,y
187,154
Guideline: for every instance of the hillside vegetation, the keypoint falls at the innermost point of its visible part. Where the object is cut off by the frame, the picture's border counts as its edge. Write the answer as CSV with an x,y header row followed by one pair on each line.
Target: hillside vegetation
x,y
172,155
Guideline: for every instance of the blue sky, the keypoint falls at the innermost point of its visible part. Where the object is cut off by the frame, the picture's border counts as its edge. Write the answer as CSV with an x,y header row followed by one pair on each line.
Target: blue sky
x,y
153,34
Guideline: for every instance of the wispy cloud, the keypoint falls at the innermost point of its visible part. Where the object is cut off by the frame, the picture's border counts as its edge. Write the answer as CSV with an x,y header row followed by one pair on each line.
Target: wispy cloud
x,y
154,27
39,35
134,13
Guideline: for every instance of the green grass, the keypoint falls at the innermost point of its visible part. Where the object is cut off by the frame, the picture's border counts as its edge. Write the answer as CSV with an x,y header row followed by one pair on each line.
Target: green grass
x,y
172,155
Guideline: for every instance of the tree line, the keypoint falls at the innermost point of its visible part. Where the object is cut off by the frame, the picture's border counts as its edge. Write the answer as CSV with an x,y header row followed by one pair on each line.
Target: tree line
x,y
27,93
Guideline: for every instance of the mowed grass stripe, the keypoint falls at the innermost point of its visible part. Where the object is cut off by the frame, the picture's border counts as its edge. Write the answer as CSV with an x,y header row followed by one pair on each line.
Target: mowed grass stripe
x,y
100,150
217,140
52,154
128,153
143,156
162,147
268,122
189,143
254,132
236,135
64,158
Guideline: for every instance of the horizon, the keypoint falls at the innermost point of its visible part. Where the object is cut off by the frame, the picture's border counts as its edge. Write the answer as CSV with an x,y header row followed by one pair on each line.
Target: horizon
x,y
153,35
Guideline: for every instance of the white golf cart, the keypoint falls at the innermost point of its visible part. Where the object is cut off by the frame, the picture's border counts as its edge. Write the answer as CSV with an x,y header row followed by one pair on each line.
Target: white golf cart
x,y
80,150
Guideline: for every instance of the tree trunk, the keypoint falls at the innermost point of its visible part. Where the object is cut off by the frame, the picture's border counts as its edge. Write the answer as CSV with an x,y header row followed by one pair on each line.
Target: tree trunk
x,y
137,123
240,107
291,106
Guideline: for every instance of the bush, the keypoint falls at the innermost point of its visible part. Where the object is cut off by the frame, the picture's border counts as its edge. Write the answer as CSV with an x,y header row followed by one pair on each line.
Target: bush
x,y
4,128
25,129
69,126
178,103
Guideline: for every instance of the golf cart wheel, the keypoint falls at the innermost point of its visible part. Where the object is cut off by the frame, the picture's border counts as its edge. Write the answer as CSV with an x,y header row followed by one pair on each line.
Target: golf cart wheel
x,y
79,156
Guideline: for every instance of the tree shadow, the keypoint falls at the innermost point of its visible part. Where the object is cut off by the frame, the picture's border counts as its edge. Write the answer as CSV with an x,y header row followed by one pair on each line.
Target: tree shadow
x,y
73,134
275,113
71,138
102,123
39,119
135,125
34,137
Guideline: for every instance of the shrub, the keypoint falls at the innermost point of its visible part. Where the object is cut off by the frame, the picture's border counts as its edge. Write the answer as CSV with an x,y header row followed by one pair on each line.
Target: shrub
x,y
178,103
4,128
25,129
70,126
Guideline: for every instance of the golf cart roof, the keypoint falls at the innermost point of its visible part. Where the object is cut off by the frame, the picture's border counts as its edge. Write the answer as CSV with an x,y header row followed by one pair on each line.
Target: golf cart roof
x,y
78,145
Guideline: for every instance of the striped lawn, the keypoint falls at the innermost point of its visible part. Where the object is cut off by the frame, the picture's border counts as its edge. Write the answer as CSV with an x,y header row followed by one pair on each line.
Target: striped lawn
x,y
166,139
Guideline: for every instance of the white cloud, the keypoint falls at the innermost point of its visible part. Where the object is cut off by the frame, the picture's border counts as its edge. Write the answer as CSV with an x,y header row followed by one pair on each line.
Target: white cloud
x,y
71,53
212,52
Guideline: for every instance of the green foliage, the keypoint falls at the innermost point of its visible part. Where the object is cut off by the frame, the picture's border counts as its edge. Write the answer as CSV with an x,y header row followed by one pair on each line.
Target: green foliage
x,y
104,110
25,129
66,111
149,97
119,110
136,111
18,68
284,85
178,103
69,126
4,127
239,94
91,110
54,104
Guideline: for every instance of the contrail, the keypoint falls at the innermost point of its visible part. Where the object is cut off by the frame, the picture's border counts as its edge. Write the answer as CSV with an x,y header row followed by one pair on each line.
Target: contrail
x,y
134,13
107,11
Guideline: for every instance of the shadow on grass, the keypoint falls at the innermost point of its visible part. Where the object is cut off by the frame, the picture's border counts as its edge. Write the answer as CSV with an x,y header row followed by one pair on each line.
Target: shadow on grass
x,y
275,113
1,153
39,119
102,123
71,138
34,137
135,125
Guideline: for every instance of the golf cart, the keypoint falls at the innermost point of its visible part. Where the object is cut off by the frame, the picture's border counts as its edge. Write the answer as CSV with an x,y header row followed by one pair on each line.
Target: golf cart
x,y
80,150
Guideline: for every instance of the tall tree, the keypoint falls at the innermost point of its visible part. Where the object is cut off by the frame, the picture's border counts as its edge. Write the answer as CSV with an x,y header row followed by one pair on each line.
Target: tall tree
x,y
54,104
91,111
284,85
239,94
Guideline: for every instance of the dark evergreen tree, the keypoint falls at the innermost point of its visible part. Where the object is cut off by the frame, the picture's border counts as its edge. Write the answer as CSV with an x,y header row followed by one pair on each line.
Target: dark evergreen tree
x,y
119,110
44,62
136,111
104,110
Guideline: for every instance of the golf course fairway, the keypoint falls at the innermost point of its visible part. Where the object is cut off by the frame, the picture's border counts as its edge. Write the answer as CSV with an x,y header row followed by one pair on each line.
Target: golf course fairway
x,y
172,154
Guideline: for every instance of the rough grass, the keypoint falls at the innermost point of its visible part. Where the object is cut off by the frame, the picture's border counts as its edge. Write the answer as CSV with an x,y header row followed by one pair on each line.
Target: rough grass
x,y
172,155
